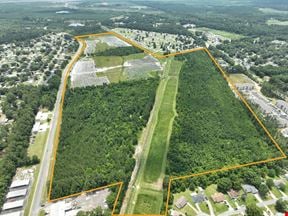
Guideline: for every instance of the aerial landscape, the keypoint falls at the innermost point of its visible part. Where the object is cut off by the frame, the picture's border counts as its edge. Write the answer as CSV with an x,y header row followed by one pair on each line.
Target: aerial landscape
x,y
132,107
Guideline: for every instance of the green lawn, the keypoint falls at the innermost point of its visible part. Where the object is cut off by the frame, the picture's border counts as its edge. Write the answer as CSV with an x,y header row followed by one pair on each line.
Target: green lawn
x,y
230,35
210,190
148,202
37,147
204,207
250,199
108,61
276,192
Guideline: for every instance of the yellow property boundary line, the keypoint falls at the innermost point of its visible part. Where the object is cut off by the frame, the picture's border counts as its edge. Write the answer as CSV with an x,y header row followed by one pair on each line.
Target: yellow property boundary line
x,y
120,184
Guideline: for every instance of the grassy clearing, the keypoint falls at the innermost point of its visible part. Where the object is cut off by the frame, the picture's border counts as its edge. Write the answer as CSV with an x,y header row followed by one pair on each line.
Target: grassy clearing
x,y
157,153
276,22
153,158
154,168
108,61
37,149
204,207
272,11
230,35
102,46
239,78
250,199
148,202
114,75
134,56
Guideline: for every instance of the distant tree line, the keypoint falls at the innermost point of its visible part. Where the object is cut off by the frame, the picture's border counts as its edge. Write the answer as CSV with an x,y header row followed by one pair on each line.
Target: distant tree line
x,y
119,51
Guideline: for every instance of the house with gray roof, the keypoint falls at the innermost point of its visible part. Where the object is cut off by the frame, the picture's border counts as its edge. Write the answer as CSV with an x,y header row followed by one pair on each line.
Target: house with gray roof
x,y
199,198
249,189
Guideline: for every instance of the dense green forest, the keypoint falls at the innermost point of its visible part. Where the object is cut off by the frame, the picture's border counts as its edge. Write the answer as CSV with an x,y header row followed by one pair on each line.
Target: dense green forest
x,y
119,51
99,131
213,128
21,105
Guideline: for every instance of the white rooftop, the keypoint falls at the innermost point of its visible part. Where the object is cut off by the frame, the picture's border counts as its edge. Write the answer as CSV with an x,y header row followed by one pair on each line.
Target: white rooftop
x,y
20,183
18,213
12,205
17,193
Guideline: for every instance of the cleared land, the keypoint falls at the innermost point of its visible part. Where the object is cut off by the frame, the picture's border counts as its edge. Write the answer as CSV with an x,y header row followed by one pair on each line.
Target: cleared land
x,y
213,129
147,196
230,35
276,22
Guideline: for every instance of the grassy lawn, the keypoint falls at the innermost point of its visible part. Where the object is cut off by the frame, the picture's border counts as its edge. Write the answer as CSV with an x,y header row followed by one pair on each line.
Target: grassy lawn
x,y
272,208
35,149
108,61
230,201
276,192
250,199
225,34
187,210
210,190
204,207
219,207
148,202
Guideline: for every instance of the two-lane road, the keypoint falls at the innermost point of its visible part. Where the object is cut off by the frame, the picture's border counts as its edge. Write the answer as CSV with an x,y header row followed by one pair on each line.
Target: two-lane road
x,y
47,155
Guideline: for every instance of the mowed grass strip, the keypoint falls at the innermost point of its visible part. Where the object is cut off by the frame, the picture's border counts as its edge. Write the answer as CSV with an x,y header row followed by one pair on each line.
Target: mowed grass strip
x,y
148,202
155,165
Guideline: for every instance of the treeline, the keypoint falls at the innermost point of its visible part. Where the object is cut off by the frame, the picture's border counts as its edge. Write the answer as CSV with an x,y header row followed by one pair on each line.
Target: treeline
x,y
22,104
119,51
151,23
99,132
213,128
269,70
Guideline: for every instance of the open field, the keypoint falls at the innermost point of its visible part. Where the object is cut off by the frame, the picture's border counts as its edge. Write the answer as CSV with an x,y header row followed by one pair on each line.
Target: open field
x,y
272,11
277,22
35,149
148,201
225,34
239,78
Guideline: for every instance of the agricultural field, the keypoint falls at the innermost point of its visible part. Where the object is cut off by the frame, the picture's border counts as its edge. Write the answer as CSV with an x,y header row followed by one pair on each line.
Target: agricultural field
x,y
107,121
107,59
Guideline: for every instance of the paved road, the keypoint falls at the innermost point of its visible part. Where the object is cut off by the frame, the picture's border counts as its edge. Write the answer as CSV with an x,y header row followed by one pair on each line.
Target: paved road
x,y
47,156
